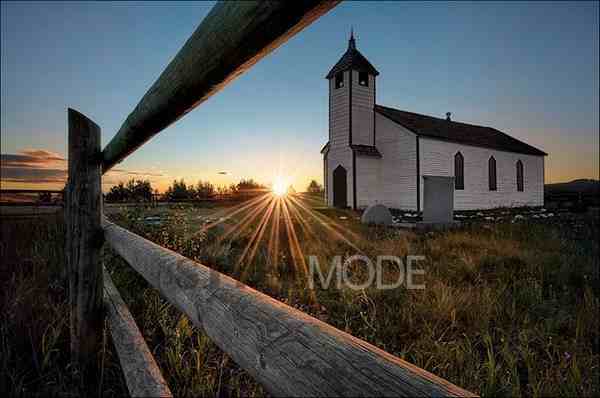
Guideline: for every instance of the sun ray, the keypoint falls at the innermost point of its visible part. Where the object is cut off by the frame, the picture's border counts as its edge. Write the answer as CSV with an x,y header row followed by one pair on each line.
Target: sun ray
x,y
236,230
273,244
295,250
255,238
307,229
227,214
330,226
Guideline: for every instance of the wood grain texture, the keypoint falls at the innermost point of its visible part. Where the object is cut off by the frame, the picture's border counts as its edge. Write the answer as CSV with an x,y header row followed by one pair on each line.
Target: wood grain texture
x,y
287,351
141,372
84,241
230,40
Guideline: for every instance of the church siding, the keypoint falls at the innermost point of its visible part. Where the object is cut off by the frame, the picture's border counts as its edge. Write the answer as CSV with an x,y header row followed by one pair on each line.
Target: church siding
x,y
437,158
368,180
340,114
398,165
363,102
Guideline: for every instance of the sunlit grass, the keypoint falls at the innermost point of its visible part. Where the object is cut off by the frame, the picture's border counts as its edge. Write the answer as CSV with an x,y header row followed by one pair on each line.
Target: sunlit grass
x,y
509,310
503,309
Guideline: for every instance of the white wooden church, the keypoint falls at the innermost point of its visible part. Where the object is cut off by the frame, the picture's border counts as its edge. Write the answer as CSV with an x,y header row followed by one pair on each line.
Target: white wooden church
x,y
377,154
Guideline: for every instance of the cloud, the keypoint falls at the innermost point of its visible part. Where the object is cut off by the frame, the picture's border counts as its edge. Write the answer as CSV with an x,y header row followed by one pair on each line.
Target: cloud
x,y
136,173
31,175
32,159
42,153
39,166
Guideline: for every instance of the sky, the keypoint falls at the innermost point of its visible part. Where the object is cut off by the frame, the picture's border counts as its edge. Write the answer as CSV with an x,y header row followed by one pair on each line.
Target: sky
x,y
528,69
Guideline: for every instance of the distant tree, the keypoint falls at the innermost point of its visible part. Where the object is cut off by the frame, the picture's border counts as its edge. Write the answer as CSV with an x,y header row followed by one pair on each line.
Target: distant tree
x,y
117,193
44,197
204,190
314,187
178,191
140,190
247,188
133,190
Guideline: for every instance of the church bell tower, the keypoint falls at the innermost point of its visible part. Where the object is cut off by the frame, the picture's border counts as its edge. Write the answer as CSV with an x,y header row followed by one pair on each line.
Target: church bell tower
x,y
351,123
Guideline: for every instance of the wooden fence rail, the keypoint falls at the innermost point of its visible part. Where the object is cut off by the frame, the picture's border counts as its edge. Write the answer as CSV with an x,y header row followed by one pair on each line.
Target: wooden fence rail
x,y
141,373
231,39
289,352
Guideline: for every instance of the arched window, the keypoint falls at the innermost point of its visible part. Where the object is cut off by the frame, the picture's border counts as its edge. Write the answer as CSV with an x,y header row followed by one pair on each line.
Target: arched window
x,y
492,174
520,176
459,171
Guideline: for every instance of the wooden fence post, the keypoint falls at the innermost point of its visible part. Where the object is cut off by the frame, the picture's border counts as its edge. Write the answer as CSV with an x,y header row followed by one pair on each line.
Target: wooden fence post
x,y
84,243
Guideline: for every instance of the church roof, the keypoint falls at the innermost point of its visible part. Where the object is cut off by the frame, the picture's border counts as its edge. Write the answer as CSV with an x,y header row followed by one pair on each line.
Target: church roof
x,y
359,149
464,133
352,59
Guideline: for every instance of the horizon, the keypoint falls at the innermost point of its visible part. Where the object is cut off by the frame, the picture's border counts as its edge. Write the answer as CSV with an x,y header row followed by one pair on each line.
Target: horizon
x,y
505,79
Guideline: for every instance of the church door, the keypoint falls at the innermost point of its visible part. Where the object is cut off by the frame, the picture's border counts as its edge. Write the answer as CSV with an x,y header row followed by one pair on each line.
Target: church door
x,y
339,187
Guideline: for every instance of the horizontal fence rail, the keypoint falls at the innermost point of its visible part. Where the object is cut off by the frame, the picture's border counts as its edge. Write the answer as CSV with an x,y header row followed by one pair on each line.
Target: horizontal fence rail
x,y
289,352
231,39
141,372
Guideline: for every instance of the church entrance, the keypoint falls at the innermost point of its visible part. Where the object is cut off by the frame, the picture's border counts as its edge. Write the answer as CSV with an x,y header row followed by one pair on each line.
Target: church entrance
x,y
339,187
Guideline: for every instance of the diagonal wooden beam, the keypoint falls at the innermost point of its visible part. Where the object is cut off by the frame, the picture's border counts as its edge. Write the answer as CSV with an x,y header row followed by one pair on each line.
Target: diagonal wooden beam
x,y
289,352
141,372
230,40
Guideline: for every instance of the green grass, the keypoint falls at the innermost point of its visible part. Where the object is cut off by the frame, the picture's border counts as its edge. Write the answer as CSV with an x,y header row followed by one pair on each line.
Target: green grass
x,y
508,309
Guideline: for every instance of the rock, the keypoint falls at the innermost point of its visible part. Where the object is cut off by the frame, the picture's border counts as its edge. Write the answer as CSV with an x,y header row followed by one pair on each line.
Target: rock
x,y
377,214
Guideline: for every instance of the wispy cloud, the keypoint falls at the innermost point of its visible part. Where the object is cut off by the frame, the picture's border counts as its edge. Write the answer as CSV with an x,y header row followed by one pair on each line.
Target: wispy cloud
x,y
136,173
39,166
32,159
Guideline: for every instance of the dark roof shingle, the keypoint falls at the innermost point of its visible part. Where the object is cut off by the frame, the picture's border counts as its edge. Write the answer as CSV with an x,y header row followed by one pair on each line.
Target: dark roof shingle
x,y
352,59
464,133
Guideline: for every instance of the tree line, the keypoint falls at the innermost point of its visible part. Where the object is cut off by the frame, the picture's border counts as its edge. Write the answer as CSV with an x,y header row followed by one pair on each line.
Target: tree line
x,y
136,190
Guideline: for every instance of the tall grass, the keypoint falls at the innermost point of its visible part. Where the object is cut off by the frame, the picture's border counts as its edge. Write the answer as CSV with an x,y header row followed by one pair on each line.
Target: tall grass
x,y
34,315
508,309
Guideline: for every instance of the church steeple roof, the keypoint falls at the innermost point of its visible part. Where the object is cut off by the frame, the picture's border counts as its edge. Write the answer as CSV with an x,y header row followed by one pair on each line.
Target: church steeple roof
x,y
352,59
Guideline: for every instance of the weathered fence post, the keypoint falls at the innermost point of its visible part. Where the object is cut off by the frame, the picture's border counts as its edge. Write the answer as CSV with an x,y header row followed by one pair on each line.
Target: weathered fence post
x,y
84,242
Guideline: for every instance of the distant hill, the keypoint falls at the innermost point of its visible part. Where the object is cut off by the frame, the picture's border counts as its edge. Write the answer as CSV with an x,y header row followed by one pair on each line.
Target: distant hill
x,y
576,194
584,186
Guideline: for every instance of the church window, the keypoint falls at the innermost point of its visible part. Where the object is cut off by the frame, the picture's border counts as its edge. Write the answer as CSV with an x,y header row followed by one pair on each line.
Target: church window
x,y
520,176
492,174
363,79
339,80
459,171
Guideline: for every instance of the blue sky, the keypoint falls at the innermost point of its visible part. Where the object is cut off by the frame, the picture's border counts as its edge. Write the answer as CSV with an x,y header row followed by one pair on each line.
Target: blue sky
x,y
529,69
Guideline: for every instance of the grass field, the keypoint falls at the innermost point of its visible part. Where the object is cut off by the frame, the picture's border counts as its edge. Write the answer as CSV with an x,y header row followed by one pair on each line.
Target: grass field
x,y
508,309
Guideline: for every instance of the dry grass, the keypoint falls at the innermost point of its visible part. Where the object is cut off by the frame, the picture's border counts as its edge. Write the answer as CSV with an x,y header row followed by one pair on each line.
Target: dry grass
x,y
507,310
34,329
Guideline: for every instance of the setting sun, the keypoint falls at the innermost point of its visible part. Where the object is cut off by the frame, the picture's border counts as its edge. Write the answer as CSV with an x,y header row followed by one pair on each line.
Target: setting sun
x,y
280,186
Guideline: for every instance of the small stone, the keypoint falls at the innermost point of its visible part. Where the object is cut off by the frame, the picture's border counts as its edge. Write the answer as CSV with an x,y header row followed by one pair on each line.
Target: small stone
x,y
377,214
